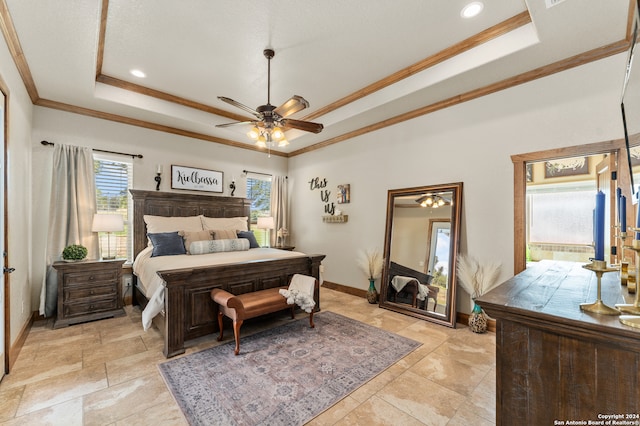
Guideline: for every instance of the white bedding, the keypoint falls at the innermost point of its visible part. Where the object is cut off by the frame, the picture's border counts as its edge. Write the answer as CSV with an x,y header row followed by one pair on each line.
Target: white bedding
x,y
146,267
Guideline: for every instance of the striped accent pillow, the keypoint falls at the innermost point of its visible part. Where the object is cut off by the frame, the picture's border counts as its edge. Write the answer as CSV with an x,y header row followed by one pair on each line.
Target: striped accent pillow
x,y
216,246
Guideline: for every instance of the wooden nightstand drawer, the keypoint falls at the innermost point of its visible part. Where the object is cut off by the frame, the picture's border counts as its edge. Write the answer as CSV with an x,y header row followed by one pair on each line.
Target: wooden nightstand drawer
x,y
88,290
90,278
83,292
90,307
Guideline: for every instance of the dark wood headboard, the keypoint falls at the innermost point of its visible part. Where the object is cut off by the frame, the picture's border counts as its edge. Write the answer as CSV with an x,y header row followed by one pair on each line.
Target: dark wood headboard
x,y
170,204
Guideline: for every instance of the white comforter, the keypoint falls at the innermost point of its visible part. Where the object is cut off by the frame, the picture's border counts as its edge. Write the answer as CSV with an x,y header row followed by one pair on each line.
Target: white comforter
x,y
146,267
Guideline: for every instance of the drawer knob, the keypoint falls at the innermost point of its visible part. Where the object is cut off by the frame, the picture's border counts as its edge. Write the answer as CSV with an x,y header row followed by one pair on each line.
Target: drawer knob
x,y
91,278
91,306
92,292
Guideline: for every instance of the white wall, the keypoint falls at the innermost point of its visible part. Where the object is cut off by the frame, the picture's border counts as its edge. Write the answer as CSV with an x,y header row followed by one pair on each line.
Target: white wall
x,y
18,194
156,147
470,143
410,234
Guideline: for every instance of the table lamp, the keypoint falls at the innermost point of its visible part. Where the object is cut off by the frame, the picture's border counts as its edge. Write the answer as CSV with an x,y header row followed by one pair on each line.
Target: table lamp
x,y
268,224
108,223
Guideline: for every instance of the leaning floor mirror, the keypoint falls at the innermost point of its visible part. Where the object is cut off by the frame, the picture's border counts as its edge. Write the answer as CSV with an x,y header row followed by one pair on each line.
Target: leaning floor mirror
x,y
421,245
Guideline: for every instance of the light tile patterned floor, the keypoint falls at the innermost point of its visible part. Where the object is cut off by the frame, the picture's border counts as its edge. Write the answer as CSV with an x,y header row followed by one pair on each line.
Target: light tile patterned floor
x,y
104,373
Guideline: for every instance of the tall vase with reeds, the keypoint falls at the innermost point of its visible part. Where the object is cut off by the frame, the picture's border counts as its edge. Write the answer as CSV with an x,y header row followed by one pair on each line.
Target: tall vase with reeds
x,y
371,262
477,279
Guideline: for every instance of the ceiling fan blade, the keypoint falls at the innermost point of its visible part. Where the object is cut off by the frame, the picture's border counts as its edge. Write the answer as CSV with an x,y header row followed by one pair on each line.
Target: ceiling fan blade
x,y
307,126
293,105
235,123
241,106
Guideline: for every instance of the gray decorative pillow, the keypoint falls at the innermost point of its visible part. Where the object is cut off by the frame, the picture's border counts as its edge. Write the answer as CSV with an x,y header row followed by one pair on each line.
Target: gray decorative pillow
x,y
216,246
166,244
253,243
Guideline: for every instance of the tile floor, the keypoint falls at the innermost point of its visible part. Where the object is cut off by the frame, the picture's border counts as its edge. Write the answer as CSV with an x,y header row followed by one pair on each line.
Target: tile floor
x,y
104,373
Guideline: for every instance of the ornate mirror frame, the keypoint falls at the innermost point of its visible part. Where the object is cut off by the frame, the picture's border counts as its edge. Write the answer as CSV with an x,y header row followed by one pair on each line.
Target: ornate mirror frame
x,y
440,306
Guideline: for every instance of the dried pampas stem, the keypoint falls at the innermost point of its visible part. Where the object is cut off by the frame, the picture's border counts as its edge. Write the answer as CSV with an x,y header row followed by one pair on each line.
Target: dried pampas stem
x,y
371,262
476,278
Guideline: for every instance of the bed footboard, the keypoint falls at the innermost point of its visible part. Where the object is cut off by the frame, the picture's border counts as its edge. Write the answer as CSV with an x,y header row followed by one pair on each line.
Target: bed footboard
x,y
189,310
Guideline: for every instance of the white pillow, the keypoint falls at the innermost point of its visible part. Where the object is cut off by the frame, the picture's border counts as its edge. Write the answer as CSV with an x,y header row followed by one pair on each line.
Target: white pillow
x,y
216,246
157,224
227,223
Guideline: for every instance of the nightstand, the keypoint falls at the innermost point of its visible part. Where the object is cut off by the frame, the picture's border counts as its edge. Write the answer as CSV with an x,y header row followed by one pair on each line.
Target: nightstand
x,y
289,248
88,290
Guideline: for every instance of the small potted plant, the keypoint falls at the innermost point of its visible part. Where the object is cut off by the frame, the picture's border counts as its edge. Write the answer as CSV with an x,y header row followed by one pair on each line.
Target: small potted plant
x,y
74,253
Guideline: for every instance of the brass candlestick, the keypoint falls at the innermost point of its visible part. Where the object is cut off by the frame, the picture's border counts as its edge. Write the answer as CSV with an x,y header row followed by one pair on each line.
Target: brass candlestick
x,y
624,266
633,308
630,320
598,307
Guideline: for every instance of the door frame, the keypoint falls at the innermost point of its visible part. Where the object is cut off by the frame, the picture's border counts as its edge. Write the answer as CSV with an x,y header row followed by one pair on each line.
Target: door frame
x,y
615,147
5,243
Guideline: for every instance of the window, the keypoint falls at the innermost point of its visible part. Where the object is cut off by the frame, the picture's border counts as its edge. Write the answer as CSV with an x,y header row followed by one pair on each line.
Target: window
x,y
560,221
113,180
259,192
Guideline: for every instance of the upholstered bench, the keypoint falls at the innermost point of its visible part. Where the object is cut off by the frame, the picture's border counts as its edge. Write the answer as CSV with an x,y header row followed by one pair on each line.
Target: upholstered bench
x,y
250,305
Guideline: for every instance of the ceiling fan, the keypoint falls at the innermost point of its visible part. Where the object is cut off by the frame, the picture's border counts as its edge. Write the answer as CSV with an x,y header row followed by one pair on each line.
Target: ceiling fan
x,y
271,122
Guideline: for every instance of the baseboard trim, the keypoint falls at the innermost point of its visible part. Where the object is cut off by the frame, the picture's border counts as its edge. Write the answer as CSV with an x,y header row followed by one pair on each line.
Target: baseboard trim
x,y
345,289
461,318
19,343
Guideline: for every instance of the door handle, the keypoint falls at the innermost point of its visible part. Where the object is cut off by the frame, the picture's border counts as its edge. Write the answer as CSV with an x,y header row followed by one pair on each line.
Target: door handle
x,y
8,270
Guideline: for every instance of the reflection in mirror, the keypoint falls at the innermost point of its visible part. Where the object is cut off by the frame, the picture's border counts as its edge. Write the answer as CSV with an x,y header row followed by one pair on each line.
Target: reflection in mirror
x,y
630,105
421,245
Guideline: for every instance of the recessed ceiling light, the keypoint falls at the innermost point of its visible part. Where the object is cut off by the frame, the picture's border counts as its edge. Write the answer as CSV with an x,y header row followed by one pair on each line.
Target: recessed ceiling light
x,y
138,73
472,9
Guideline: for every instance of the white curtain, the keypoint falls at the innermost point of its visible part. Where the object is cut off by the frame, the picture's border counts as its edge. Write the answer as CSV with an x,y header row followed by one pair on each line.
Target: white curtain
x,y
279,205
72,206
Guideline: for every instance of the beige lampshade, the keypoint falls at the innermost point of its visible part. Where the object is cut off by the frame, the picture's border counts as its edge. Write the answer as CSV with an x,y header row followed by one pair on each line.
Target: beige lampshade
x,y
266,223
107,223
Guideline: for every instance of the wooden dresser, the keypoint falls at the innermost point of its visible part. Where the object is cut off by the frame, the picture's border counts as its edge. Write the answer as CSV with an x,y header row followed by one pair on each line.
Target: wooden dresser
x,y
88,290
555,363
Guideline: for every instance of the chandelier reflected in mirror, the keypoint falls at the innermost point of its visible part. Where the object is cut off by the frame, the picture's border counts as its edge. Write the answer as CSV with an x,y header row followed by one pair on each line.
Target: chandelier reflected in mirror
x,y
433,200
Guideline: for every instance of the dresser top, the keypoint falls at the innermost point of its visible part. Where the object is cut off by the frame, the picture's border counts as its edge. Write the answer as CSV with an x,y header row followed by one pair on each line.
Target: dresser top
x,y
550,292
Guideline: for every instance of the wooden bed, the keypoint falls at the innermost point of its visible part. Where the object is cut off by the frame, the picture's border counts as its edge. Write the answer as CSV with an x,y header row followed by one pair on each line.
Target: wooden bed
x,y
189,311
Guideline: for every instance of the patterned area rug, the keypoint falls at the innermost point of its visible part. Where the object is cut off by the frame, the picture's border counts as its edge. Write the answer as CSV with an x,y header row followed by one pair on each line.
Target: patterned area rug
x,y
283,376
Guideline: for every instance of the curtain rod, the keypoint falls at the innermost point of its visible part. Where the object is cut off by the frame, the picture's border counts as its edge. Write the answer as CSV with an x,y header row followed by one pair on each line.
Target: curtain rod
x,y
101,150
258,173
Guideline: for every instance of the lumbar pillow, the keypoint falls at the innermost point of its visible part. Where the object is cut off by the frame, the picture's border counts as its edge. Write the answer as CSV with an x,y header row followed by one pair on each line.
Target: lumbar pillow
x,y
216,246
166,244
253,243
190,237
224,234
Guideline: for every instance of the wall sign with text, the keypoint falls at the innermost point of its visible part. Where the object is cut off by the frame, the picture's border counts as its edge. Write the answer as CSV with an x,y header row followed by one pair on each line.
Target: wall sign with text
x,y
196,179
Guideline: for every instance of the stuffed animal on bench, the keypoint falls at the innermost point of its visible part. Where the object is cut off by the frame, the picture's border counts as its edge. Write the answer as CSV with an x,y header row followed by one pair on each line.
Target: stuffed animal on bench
x,y
250,305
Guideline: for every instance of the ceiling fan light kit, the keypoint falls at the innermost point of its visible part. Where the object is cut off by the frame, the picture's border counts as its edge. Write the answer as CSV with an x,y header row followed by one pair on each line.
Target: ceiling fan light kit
x,y
271,122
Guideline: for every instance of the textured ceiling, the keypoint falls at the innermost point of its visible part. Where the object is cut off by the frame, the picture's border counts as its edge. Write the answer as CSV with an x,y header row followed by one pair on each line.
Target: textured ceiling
x,y
196,50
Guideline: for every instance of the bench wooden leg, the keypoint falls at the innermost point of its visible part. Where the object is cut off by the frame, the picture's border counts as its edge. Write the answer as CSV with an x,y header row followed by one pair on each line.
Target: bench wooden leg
x,y
293,315
311,324
220,324
236,332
